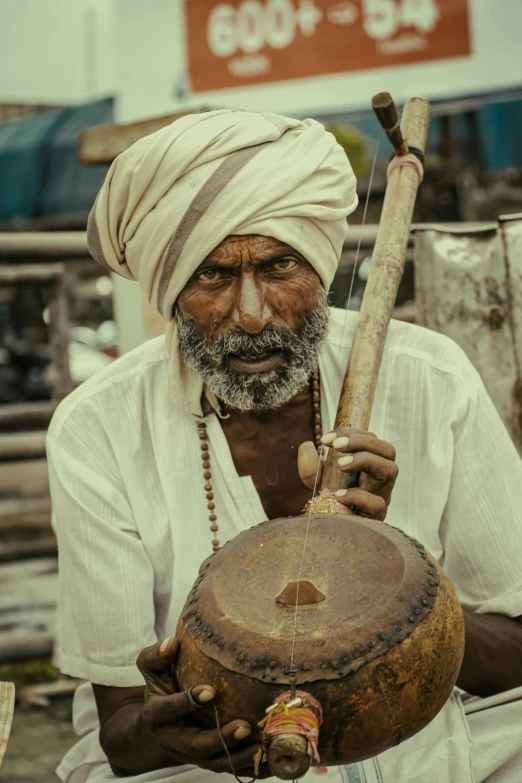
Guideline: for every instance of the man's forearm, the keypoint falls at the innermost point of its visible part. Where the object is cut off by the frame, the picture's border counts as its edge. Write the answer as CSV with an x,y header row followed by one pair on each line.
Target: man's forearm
x,y
493,654
129,745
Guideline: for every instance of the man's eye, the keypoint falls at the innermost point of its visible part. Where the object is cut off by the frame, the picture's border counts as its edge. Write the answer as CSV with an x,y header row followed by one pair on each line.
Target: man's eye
x,y
209,276
283,264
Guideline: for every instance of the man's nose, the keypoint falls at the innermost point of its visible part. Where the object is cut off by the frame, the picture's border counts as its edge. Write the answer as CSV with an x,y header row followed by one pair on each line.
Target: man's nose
x,y
251,311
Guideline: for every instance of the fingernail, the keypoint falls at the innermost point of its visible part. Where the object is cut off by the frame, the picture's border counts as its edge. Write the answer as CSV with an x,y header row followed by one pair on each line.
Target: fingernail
x,y
329,438
165,644
205,695
340,443
242,731
340,493
344,461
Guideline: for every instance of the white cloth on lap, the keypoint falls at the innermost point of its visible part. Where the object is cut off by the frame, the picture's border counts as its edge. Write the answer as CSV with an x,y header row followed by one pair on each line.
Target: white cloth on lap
x,y
131,518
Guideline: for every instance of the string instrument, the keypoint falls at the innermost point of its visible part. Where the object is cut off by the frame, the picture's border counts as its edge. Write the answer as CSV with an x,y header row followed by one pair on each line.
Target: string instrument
x,y
337,636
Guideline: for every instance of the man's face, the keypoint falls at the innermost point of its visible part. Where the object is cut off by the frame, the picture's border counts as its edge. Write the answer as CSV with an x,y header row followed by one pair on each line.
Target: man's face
x,y
251,320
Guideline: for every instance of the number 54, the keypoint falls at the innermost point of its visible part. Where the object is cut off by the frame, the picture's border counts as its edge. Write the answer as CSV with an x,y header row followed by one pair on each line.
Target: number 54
x,y
382,18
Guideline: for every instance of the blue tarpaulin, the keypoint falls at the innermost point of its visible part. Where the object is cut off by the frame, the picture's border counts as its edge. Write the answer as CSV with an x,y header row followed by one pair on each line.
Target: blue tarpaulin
x,y
22,163
70,187
40,175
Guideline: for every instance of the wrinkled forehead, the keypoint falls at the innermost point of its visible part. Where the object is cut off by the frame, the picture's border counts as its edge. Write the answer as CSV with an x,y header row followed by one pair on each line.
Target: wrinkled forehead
x,y
251,248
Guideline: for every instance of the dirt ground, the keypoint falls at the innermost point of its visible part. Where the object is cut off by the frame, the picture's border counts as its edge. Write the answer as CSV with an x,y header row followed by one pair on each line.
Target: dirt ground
x,y
39,739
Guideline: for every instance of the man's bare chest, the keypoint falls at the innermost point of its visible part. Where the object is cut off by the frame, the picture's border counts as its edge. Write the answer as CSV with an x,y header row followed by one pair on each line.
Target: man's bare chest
x,y
269,456
276,478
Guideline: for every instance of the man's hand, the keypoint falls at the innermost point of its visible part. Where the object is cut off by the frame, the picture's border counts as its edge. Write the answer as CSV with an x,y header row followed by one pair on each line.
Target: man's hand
x,y
164,712
148,728
359,452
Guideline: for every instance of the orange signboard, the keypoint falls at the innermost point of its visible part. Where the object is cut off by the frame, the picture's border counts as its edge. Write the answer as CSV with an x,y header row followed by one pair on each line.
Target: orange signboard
x,y
234,43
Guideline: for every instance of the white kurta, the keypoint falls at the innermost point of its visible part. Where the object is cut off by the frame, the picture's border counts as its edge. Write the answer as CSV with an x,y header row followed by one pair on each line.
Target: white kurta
x,y
132,524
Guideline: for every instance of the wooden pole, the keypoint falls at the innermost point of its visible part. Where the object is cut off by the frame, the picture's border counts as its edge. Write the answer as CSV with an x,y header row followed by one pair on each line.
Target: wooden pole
x,y
41,244
103,143
26,647
26,415
59,337
386,112
45,546
22,445
386,270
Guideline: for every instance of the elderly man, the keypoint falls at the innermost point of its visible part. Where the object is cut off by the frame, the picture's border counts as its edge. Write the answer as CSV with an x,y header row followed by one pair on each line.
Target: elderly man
x,y
233,224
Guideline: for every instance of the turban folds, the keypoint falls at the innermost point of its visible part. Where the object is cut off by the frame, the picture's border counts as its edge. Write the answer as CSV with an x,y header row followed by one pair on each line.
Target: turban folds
x,y
173,196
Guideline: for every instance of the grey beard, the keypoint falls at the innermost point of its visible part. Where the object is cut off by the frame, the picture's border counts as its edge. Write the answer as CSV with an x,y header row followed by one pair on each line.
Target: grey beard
x,y
264,390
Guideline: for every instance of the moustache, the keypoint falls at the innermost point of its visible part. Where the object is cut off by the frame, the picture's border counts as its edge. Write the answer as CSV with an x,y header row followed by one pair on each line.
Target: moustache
x,y
240,343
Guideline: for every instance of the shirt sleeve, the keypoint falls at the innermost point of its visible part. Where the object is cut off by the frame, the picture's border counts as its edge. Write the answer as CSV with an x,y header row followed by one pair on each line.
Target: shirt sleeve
x,y
106,605
481,528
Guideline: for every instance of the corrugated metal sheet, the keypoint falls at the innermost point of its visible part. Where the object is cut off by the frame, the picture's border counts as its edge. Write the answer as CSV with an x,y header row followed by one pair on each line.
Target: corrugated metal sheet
x,y
468,286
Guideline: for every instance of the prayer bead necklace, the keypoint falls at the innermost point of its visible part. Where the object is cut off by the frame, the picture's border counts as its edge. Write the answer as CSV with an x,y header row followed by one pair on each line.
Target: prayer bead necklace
x,y
205,456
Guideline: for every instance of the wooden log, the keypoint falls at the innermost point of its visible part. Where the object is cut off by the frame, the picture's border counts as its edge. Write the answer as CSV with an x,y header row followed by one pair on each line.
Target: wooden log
x,y
25,513
41,244
386,111
73,244
59,337
386,271
28,598
22,445
39,695
407,315
26,647
103,143
32,548
24,479
20,274
25,415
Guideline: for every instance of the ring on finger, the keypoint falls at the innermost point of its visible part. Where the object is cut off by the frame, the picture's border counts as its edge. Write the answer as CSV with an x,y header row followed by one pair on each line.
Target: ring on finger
x,y
192,703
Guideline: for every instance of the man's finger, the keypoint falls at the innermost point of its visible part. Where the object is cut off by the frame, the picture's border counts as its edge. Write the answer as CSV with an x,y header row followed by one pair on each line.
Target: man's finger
x,y
206,743
156,664
307,462
166,709
340,432
379,468
362,441
159,657
365,503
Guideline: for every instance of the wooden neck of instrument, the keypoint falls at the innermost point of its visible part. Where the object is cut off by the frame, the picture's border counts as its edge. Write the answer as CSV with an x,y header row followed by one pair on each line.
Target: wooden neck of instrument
x,y
386,271
386,112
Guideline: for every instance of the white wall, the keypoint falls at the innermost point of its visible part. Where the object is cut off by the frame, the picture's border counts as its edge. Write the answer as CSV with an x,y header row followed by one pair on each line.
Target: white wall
x,y
56,51
150,56
152,63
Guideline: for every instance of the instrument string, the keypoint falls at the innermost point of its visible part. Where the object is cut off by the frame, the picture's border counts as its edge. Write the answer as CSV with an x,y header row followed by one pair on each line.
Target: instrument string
x,y
225,747
322,451
358,251
320,462
309,516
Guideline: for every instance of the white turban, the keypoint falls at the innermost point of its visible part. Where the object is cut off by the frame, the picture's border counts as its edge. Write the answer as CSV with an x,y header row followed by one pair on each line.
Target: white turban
x,y
173,196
